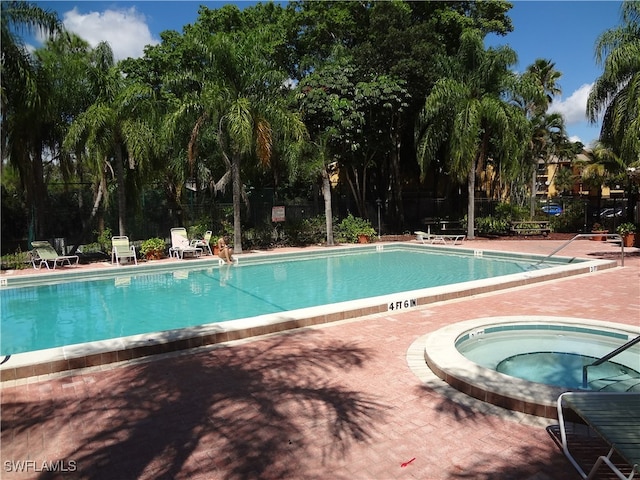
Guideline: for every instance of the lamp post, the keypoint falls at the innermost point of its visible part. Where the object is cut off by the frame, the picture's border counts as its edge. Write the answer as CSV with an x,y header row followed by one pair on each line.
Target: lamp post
x,y
379,204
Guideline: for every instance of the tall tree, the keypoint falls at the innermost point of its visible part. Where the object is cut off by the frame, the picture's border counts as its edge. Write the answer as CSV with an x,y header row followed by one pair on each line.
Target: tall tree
x,y
616,93
466,119
397,40
615,96
548,140
241,93
26,109
359,113
115,128
602,163
538,88
544,77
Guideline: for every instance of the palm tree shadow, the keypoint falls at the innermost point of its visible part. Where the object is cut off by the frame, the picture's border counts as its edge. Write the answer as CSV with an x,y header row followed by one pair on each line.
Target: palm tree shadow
x,y
505,462
257,410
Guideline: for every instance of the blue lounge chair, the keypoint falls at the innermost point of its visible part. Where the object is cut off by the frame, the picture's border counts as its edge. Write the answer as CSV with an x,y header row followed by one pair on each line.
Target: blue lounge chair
x,y
615,418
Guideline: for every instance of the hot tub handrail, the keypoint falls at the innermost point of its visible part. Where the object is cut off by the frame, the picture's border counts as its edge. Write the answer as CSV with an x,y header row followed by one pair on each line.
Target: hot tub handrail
x,y
589,235
607,357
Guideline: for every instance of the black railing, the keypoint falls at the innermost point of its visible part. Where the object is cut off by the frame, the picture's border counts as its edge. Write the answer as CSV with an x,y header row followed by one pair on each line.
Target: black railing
x,y
606,358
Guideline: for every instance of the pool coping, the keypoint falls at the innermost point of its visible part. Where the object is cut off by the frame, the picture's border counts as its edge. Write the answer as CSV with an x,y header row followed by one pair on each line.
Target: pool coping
x,y
92,354
447,363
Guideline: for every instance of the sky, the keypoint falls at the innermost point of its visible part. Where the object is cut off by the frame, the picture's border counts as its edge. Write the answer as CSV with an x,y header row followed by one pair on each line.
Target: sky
x,y
564,32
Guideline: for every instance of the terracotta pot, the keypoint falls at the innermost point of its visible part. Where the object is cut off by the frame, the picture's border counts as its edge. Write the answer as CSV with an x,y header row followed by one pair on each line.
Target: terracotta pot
x,y
154,255
363,239
599,238
629,239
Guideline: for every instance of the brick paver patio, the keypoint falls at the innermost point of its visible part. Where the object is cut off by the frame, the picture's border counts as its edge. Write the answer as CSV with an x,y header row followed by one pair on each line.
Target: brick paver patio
x,y
331,402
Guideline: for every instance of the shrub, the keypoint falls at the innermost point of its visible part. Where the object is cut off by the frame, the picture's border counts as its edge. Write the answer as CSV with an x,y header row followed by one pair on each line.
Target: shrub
x,y
626,228
492,225
102,243
308,231
15,261
262,237
511,212
571,220
153,248
349,229
198,229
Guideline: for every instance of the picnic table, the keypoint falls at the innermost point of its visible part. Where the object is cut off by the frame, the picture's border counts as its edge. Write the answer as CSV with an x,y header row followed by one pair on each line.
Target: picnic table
x,y
615,417
530,227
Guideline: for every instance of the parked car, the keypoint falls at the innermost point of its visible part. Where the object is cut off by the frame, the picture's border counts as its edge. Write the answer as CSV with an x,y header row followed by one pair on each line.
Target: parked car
x,y
611,212
552,209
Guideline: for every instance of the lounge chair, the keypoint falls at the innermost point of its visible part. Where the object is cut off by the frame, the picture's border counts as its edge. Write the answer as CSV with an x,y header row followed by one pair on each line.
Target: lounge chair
x,y
180,244
43,254
615,418
121,250
425,237
204,242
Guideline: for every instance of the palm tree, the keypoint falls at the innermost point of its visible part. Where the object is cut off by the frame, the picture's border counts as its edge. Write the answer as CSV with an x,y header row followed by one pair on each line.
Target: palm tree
x,y
616,93
548,136
545,77
601,164
241,94
18,67
467,119
24,95
252,111
115,127
316,161
548,139
564,180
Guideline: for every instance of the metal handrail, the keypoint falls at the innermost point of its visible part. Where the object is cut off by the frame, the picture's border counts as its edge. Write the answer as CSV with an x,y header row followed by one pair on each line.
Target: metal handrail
x,y
589,235
607,357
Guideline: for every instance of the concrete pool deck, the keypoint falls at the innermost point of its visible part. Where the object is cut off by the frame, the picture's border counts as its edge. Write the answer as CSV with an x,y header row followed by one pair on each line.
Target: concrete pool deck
x,y
338,400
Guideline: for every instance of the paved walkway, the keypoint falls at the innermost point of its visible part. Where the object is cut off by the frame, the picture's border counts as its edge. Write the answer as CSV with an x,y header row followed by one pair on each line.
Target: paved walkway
x,y
337,401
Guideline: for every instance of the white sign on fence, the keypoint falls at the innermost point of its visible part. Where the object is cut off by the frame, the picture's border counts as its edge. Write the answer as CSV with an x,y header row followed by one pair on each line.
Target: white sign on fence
x,y
277,214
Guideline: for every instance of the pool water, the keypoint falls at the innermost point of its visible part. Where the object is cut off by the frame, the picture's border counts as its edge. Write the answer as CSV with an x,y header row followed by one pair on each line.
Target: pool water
x,y
555,355
46,316
564,369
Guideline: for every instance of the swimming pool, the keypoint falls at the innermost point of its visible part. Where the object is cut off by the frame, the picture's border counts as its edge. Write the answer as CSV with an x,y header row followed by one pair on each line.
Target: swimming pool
x,y
555,354
133,310
466,355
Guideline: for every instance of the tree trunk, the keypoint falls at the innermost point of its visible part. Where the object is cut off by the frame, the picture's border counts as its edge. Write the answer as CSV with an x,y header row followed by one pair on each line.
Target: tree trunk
x,y
328,215
471,186
396,184
237,201
356,190
534,191
94,211
39,194
122,196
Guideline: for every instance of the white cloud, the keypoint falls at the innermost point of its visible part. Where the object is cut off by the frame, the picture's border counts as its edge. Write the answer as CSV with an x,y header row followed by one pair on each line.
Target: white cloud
x,y
125,30
574,108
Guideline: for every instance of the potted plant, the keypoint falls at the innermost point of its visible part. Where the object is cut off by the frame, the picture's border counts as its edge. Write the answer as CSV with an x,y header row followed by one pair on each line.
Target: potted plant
x,y
355,229
153,248
598,229
628,233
